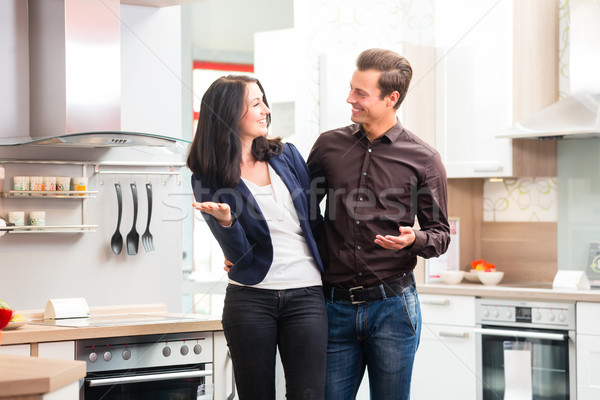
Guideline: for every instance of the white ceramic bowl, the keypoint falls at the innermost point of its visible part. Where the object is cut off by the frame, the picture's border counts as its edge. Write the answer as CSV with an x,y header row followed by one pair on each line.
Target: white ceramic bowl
x,y
490,278
472,276
452,277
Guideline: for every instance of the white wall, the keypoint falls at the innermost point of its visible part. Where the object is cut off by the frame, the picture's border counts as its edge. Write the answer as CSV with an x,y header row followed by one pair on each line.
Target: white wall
x,y
36,267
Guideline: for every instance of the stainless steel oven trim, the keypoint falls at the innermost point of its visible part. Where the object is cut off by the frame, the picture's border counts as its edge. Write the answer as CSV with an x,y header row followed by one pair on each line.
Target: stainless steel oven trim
x,y
570,334
148,377
522,334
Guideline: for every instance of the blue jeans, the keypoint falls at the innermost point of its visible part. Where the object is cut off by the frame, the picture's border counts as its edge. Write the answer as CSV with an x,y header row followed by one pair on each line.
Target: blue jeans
x,y
383,335
258,321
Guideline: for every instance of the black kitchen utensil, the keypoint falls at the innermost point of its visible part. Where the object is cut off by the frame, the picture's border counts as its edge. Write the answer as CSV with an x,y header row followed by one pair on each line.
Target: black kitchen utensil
x,y
147,239
133,238
116,242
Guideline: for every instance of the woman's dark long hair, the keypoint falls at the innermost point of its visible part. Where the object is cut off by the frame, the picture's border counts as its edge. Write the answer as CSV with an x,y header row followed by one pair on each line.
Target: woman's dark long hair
x,y
216,151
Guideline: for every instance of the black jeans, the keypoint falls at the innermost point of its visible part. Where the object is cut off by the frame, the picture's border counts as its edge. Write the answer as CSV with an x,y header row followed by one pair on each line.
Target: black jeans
x,y
257,321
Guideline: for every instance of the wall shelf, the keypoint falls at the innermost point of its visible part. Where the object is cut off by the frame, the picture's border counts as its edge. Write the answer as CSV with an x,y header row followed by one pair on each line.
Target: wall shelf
x,y
44,194
49,229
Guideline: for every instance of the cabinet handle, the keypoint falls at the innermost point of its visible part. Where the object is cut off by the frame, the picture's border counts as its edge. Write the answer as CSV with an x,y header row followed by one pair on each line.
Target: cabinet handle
x,y
435,302
488,168
463,335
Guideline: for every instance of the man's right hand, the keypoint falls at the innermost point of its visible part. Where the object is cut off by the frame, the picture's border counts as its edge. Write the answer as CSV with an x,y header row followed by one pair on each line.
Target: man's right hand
x,y
228,265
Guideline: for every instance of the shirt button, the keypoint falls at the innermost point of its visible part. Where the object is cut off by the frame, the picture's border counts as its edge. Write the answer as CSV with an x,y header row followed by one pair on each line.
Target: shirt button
x,y
360,199
357,222
360,274
358,247
365,173
370,150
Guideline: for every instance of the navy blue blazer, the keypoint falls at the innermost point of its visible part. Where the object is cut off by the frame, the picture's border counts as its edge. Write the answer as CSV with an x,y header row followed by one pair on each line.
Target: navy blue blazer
x,y
247,242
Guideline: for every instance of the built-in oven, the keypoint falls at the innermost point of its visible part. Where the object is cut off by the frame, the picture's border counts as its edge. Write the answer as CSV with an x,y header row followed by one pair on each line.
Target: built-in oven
x,y
525,350
150,367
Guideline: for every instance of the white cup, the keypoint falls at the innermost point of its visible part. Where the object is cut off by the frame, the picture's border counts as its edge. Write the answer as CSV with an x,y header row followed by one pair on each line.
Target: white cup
x,y
80,184
17,218
36,183
50,183
37,218
63,183
21,183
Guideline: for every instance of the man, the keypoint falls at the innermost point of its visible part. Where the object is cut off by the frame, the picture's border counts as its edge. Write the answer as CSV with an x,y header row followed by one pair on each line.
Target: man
x,y
377,177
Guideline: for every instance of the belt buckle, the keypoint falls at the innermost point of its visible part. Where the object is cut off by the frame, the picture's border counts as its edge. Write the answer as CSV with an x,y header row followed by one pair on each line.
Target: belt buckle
x,y
352,295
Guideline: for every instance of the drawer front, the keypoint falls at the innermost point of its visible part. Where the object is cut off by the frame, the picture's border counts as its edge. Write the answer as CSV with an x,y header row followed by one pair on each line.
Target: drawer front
x,y
448,310
588,318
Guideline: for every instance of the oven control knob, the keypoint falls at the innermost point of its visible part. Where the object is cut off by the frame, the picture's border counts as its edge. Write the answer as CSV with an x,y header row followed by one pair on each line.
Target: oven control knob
x,y
126,354
496,313
486,313
562,317
184,350
508,314
93,357
107,356
167,351
197,349
551,317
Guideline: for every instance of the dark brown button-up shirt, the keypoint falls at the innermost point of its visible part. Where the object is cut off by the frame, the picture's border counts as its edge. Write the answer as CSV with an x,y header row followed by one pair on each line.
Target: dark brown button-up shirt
x,y
374,188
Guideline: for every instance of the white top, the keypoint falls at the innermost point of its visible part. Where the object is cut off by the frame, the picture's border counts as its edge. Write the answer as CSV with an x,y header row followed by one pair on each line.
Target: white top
x,y
293,265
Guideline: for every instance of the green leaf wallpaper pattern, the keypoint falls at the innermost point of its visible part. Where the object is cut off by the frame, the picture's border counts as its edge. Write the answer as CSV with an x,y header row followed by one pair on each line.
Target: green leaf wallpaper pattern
x,y
520,200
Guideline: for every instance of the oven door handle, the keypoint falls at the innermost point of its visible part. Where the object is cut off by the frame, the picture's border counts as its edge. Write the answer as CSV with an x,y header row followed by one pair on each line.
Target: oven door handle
x,y
523,334
149,377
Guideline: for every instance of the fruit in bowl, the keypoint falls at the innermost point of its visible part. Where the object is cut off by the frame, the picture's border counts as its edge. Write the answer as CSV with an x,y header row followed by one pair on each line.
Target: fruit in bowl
x,y
5,316
490,277
482,265
452,277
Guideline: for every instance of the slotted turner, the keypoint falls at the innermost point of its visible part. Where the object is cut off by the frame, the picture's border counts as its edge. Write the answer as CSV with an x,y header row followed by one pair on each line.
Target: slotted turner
x,y
133,238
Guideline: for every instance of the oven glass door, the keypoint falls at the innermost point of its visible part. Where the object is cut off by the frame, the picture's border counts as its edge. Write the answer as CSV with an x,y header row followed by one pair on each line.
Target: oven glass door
x,y
147,384
549,362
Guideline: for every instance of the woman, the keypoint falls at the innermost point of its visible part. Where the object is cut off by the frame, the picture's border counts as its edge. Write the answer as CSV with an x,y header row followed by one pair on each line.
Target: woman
x,y
253,193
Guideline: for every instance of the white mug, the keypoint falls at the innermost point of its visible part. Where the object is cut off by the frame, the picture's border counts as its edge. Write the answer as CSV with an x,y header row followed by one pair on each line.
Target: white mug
x,y
17,218
36,183
37,218
21,183
80,183
63,183
50,183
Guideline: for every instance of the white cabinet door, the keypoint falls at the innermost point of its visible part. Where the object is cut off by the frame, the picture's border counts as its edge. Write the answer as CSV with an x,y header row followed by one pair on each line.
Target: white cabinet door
x,y
222,368
445,363
16,350
474,96
588,351
57,350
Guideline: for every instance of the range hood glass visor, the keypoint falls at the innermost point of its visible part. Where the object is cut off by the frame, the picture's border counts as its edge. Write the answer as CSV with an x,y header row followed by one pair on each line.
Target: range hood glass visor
x,y
104,139
573,117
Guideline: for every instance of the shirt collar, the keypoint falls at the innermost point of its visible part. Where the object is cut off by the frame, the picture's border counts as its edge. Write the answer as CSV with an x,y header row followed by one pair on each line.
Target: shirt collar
x,y
390,136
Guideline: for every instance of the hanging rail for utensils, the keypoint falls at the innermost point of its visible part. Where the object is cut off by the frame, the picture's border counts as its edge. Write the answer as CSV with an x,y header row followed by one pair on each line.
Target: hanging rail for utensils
x,y
174,169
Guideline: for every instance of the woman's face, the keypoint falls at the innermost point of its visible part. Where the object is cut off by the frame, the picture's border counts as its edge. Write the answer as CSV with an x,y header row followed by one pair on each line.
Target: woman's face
x,y
254,119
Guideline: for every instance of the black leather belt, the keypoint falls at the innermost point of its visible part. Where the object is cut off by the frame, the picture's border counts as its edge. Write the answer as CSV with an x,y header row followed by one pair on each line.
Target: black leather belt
x,y
360,294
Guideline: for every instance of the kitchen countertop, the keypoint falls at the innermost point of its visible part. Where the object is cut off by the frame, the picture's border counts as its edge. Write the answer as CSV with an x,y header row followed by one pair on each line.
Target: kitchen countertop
x,y
32,333
32,377
512,291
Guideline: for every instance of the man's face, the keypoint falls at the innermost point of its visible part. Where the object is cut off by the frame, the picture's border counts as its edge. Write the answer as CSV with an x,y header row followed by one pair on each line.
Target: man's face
x,y
368,108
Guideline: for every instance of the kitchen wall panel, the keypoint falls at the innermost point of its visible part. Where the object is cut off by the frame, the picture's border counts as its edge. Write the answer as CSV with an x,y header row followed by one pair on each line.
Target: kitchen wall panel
x,y
36,267
14,69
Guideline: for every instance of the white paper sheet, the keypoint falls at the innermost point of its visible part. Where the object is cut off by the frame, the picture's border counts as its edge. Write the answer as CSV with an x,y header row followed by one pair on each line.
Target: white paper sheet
x,y
517,371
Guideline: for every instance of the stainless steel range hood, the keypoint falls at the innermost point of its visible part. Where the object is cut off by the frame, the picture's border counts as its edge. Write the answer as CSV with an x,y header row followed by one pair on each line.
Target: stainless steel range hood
x,y
576,116
75,77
